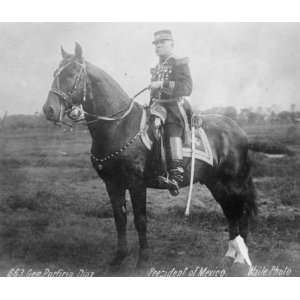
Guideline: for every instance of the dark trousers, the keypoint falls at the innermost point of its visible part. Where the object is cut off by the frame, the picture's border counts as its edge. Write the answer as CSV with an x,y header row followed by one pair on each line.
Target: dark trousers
x,y
174,130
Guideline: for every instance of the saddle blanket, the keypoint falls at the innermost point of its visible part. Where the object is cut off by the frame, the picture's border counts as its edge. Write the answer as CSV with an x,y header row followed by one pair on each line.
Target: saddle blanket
x,y
203,149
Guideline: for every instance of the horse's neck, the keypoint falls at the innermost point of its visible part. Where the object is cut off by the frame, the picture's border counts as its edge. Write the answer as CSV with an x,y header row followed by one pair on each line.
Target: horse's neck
x,y
106,95
106,98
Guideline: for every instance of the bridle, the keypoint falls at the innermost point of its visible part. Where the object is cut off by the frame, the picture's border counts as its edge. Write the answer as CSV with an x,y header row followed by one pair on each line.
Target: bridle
x,y
67,97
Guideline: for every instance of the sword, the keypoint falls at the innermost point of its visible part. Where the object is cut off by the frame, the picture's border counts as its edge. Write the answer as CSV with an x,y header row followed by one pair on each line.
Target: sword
x,y
188,204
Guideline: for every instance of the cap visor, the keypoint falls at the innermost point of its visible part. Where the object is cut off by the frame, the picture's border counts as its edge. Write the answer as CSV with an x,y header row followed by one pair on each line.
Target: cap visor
x,y
156,41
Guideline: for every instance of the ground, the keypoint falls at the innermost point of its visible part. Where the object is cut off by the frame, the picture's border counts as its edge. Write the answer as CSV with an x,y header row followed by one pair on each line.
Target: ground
x,y
55,213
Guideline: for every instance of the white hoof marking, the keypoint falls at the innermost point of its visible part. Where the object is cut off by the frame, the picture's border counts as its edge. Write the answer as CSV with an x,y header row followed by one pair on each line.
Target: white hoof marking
x,y
231,250
238,250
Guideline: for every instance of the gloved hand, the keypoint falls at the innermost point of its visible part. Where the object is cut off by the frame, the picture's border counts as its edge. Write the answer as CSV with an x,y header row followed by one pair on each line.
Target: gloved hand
x,y
156,85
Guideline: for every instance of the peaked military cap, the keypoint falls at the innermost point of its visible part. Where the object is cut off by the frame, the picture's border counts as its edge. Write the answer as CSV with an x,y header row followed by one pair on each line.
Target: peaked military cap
x,y
160,35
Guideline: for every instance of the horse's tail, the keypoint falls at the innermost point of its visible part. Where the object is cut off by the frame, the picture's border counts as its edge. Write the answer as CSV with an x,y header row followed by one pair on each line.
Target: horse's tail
x,y
269,147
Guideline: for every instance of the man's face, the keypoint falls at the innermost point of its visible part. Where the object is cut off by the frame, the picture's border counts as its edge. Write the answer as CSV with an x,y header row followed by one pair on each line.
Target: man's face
x,y
164,47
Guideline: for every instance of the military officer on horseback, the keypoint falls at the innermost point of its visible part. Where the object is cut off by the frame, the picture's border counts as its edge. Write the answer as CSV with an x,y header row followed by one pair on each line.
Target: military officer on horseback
x,y
171,84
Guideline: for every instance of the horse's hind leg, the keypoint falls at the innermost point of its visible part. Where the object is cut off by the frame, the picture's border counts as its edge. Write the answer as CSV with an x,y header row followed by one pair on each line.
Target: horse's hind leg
x,y
241,206
232,201
117,197
245,195
138,198
250,208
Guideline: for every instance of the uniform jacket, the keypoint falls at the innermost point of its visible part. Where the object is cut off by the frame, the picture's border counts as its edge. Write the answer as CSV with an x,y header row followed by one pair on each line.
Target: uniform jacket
x,y
176,77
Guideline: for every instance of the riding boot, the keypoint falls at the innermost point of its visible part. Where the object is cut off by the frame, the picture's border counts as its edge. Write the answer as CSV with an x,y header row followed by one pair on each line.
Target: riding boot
x,y
175,169
176,176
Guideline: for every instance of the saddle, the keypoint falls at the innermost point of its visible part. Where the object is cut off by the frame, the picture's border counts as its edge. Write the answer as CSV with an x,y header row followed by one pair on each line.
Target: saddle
x,y
154,138
185,110
157,114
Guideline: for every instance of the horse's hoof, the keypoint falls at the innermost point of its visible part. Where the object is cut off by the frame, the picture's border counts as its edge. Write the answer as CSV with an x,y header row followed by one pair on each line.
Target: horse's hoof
x,y
239,269
118,258
140,268
144,256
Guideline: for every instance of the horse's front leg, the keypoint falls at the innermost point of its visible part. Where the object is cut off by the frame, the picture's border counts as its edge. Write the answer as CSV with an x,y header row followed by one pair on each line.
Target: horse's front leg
x,y
116,192
138,197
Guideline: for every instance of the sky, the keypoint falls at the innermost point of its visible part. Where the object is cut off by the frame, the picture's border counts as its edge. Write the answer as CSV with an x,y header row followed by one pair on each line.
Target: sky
x,y
232,64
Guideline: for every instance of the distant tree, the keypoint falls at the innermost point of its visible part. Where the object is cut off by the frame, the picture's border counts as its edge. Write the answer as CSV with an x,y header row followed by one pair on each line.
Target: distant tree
x,y
3,121
252,117
228,111
293,112
285,116
231,112
214,110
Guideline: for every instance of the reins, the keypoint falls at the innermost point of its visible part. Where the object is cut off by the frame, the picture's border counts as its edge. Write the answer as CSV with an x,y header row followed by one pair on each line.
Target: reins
x,y
67,98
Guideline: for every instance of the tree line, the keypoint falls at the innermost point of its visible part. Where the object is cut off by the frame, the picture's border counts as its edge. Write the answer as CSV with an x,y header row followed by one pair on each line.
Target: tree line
x,y
244,116
257,116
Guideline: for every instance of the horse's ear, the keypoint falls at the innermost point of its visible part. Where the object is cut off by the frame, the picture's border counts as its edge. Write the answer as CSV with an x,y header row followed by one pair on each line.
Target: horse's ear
x,y
64,54
78,51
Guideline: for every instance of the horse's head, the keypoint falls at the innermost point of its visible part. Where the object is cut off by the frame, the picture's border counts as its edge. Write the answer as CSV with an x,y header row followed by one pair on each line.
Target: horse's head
x,y
68,87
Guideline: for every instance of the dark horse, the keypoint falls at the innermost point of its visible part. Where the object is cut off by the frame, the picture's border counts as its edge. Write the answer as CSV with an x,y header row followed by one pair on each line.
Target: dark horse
x,y
114,123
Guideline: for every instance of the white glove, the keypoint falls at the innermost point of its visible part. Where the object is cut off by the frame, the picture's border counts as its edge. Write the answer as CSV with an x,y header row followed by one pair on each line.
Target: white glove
x,y
156,85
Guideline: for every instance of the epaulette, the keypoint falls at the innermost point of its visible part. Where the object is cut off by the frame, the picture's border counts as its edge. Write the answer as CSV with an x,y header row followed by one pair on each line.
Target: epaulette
x,y
181,61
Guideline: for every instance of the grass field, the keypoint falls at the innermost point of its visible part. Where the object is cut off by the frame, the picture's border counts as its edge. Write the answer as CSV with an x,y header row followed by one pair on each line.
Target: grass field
x,y
55,213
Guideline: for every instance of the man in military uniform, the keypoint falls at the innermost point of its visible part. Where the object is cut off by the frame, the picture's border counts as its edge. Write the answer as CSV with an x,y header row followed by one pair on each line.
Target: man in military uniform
x,y
171,83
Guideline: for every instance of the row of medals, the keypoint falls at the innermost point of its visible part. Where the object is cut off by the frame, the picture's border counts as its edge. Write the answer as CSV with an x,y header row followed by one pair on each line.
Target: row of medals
x,y
162,71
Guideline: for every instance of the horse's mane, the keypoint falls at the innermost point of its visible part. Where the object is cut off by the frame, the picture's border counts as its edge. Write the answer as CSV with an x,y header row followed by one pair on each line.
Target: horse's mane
x,y
108,89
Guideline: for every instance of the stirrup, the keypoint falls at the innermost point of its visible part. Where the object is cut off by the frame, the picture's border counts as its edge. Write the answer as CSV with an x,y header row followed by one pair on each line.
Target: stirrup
x,y
170,184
